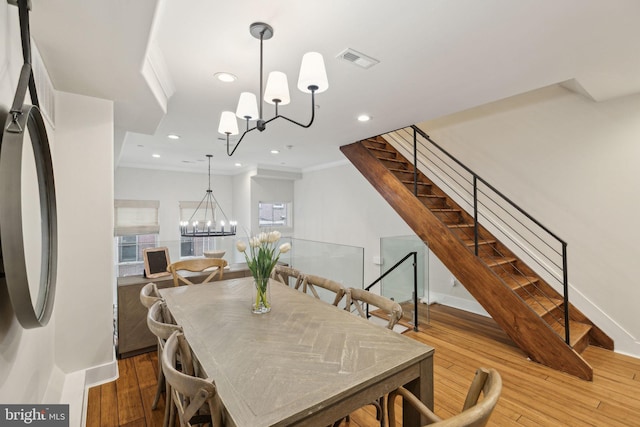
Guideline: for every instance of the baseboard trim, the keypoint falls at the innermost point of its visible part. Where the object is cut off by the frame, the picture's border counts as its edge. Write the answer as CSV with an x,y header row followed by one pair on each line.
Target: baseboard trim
x,y
459,303
95,376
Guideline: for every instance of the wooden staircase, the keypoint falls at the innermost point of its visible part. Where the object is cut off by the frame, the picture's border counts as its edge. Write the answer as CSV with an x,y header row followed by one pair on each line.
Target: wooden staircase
x,y
527,308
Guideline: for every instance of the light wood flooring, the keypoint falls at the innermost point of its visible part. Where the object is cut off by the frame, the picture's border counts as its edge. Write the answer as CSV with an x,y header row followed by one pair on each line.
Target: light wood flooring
x,y
533,395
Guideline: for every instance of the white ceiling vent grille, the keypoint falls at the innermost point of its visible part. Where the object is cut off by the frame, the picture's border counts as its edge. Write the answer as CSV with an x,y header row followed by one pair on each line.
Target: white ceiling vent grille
x,y
357,58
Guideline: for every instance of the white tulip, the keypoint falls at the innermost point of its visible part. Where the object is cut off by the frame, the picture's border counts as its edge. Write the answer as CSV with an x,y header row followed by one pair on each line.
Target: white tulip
x,y
254,242
262,237
285,247
241,246
274,236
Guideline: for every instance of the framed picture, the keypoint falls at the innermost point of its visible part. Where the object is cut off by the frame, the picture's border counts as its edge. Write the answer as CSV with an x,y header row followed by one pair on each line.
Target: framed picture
x,y
156,261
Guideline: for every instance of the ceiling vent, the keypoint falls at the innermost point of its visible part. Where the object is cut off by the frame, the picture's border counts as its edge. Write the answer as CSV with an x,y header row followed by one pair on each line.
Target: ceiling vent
x,y
357,58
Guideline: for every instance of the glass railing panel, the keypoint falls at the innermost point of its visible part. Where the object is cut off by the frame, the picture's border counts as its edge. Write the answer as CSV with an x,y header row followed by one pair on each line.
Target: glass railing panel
x,y
399,284
341,263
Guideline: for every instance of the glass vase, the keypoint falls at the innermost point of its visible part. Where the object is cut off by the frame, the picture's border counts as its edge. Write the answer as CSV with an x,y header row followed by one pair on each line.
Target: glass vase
x,y
261,295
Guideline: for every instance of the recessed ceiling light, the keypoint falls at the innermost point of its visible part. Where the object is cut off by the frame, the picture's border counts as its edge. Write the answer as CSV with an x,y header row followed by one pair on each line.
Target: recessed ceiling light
x,y
156,156
225,77
364,118
275,152
173,136
238,165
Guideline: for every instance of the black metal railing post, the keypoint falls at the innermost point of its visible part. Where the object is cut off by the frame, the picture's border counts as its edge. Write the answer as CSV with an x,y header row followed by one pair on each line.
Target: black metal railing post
x,y
415,291
475,214
415,163
565,283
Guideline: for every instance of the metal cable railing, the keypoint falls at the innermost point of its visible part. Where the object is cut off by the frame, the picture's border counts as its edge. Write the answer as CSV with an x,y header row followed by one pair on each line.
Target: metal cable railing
x,y
485,210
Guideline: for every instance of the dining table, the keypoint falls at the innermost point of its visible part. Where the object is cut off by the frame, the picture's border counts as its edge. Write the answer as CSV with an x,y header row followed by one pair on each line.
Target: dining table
x,y
304,363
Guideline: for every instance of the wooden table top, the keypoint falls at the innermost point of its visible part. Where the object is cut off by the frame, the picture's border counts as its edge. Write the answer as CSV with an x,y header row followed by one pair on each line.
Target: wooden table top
x,y
302,357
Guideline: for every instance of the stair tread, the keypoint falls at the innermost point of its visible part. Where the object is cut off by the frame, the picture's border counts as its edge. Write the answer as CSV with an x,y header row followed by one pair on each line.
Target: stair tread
x,y
492,261
394,160
542,305
420,184
577,330
464,225
516,282
471,242
401,171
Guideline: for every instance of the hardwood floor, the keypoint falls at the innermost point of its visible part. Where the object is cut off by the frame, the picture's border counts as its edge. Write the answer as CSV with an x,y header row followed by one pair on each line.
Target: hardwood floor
x,y
532,395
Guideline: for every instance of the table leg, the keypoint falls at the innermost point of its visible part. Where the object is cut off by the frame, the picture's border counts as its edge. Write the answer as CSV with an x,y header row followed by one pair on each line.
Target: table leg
x,y
422,387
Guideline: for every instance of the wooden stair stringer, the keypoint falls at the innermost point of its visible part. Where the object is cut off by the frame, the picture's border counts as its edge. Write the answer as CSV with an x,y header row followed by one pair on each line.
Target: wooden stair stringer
x,y
535,337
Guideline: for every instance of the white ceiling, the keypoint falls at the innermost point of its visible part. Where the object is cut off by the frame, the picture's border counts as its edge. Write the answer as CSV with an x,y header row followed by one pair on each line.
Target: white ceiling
x,y
436,57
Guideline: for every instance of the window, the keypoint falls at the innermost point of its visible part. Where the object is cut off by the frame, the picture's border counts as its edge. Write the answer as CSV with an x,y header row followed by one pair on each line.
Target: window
x,y
275,214
136,228
129,249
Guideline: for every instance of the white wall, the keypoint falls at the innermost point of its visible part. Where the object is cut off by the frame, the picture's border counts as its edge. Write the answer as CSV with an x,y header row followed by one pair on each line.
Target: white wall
x,y
338,205
84,138
242,202
36,365
574,164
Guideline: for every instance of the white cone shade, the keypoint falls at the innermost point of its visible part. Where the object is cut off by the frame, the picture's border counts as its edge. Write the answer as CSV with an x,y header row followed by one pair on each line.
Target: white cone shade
x,y
312,72
228,123
247,106
277,88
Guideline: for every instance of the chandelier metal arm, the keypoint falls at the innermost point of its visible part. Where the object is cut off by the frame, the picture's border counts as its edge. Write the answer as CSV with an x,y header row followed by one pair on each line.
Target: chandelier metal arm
x,y
239,141
278,116
313,114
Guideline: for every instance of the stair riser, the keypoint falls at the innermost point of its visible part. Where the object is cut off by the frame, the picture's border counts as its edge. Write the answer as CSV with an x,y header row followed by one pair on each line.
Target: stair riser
x,y
449,217
433,202
382,155
374,144
506,268
408,175
392,164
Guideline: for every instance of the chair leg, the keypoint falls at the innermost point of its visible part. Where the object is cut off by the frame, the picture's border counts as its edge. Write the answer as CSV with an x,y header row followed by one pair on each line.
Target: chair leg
x,y
168,406
161,385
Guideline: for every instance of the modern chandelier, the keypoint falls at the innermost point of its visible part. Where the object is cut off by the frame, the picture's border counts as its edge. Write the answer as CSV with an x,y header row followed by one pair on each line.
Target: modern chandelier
x,y
312,79
193,227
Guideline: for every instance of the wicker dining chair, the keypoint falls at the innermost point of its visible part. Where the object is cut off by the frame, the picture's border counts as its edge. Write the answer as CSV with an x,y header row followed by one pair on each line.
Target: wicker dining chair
x,y
310,283
197,265
359,298
474,413
160,323
195,399
149,295
283,274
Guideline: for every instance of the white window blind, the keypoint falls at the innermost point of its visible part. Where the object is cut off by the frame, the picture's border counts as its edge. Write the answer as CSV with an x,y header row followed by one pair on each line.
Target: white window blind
x,y
187,210
133,217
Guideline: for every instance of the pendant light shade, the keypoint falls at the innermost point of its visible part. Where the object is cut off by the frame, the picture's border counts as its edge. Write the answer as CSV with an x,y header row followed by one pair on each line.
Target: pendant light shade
x,y
228,123
277,88
247,106
312,73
